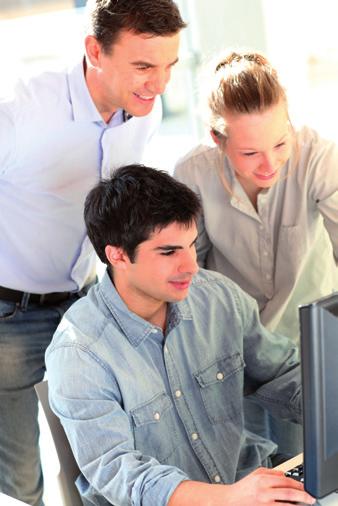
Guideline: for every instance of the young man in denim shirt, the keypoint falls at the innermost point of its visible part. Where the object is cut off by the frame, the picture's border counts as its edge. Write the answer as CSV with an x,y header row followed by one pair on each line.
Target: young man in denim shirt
x,y
155,360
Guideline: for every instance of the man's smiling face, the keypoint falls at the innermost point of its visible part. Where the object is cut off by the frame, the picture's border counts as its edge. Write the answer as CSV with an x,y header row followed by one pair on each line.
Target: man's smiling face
x,y
134,72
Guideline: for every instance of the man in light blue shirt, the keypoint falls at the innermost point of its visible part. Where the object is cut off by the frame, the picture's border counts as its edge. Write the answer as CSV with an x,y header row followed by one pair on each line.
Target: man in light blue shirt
x,y
59,134
155,360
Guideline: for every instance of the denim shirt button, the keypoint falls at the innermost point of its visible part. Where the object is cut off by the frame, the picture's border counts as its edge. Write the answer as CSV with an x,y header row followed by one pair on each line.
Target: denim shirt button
x,y
220,376
194,436
178,394
157,416
165,349
217,478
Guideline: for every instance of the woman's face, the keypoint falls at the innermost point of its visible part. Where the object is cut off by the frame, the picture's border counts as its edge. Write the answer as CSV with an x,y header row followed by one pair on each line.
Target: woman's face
x,y
258,145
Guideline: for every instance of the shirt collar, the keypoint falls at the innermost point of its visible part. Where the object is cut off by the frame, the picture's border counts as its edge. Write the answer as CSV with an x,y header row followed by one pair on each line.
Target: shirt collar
x,y
238,197
84,108
135,328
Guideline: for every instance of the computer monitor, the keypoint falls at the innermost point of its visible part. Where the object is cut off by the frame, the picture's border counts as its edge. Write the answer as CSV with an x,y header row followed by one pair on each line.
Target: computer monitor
x,y
319,352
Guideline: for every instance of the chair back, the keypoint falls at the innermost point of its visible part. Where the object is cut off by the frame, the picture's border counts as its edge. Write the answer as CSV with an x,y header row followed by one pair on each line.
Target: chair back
x,y
69,470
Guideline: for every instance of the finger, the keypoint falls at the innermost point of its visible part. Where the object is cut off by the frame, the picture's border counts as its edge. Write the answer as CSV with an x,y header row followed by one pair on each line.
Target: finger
x,y
290,496
279,480
291,483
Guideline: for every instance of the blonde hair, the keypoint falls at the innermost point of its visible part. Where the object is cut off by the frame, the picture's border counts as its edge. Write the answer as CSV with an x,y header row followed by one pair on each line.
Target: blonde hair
x,y
243,82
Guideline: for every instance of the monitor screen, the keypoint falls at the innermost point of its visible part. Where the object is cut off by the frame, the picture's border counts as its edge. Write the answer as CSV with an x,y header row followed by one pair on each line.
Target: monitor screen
x,y
319,352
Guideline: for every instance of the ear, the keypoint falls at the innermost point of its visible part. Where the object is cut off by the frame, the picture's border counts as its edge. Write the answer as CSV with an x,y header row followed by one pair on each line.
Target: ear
x,y
93,50
117,257
215,137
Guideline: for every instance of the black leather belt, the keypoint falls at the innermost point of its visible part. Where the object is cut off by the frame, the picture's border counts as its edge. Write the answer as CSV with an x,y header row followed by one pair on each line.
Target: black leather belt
x,y
37,298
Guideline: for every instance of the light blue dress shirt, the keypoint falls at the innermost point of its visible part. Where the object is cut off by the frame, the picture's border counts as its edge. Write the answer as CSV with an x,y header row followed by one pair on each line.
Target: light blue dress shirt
x,y
54,147
144,411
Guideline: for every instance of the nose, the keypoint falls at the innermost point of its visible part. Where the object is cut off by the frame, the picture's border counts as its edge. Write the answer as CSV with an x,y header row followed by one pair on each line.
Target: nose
x,y
268,162
189,262
158,83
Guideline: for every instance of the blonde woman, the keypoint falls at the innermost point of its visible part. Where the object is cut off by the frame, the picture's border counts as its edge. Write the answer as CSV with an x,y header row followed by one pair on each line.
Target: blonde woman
x,y
270,204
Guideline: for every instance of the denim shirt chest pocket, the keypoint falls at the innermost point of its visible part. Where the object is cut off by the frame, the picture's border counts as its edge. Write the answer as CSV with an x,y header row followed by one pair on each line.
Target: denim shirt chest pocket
x,y
221,387
155,427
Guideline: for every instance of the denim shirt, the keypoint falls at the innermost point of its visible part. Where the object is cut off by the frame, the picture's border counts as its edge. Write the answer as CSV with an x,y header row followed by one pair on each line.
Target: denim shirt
x,y
145,411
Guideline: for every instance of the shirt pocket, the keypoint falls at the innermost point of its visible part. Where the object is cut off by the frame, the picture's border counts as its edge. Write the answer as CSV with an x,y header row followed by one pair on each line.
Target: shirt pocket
x,y
294,239
155,428
293,248
221,387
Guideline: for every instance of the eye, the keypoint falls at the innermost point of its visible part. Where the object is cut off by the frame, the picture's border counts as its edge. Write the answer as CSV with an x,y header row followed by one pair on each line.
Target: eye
x,y
143,67
168,253
251,153
280,145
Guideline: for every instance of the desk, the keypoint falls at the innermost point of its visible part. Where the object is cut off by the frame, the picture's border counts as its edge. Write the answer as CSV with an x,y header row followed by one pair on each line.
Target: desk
x,y
330,500
289,464
5,500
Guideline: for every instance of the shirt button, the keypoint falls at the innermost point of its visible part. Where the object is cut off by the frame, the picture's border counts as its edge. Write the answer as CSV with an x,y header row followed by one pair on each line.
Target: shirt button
x,y
165,349
178,393
153,331
217,478
220,376
157,416
194,436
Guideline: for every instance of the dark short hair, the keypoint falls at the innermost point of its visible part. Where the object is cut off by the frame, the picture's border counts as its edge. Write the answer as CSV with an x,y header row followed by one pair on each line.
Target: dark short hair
x,y
108,18
125,210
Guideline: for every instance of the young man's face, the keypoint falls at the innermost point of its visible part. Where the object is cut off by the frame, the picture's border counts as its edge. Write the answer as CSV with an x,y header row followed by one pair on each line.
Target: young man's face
x,y
134,72
162,270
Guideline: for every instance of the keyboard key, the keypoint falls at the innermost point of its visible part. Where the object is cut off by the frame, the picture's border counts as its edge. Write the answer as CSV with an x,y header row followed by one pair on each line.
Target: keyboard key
x,y
297,473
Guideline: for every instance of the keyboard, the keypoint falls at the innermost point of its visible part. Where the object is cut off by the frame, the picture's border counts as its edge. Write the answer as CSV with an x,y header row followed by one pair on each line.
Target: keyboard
x,y
297,473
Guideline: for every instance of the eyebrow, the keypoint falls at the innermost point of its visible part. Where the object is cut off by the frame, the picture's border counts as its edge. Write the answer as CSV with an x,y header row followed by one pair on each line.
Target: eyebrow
x,y
170,247
151,65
